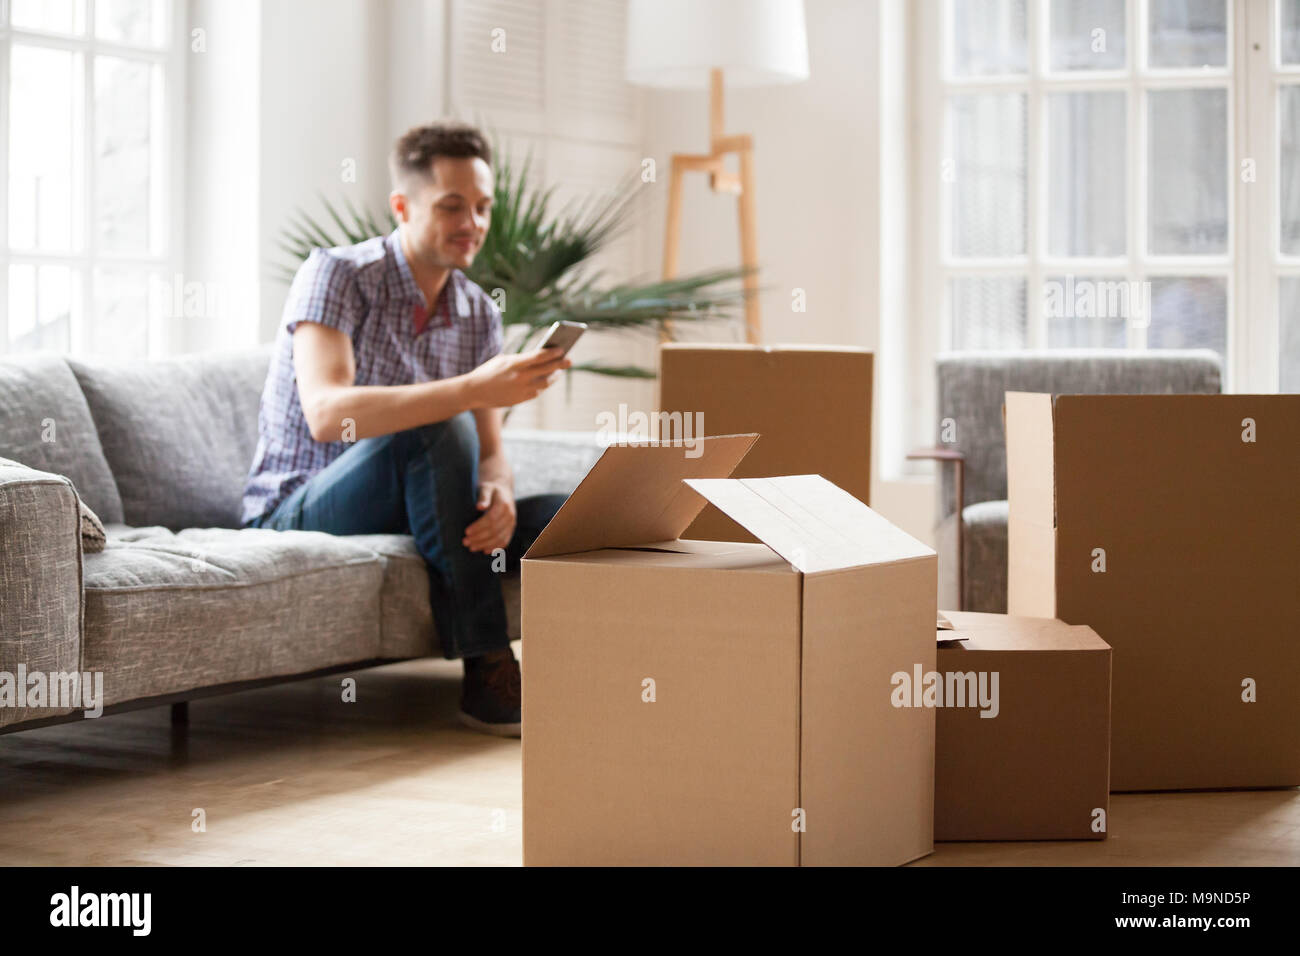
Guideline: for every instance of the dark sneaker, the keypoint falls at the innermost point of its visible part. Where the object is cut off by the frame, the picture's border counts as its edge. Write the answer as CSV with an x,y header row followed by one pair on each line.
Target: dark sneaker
x,y
490,695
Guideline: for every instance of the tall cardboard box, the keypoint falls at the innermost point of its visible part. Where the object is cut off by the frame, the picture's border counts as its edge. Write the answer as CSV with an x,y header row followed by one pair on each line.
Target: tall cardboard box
x,y
1022,736
1169,524
700,702
811,406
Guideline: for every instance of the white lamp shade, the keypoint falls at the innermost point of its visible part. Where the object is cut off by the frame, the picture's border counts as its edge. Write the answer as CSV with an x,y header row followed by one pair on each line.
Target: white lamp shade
x,y
675,43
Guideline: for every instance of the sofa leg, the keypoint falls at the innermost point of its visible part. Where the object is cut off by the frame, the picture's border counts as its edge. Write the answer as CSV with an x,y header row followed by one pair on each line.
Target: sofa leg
x,y
181,713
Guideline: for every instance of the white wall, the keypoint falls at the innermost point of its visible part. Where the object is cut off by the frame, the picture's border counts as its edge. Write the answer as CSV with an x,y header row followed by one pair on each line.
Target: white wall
x,y
816,165
819,200
285,93
222,170
417,62
324,85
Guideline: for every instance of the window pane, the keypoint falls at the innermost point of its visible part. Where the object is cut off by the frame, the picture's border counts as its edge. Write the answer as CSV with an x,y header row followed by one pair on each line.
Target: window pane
x,y
44,148
1289,31
988,313
124,129
41,302
1086,200
139,22
987,150
1091,311
988,37
1187,174
1188,33
1288,131
22,306
1288,334
1087,35
52,16
120,327
1189,313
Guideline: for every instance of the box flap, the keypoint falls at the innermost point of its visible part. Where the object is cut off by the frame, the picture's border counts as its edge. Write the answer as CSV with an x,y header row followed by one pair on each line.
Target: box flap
x,y
1009,632
1031,509
633,494
810,522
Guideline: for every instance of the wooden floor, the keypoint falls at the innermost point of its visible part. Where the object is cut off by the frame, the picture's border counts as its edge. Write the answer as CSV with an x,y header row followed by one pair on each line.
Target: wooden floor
x,y
290,775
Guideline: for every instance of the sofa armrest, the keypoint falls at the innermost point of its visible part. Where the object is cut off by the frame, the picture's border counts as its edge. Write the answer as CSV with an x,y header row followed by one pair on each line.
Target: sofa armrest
x,y
550,462
41,598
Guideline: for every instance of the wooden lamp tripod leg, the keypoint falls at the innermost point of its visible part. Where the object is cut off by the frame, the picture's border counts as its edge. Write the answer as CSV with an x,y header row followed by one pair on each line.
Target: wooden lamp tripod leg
x,y
749,246
721,180
672,234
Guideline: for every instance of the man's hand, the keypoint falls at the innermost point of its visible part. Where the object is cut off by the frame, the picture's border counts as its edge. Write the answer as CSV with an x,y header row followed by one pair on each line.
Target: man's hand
x,y
510,379
496,525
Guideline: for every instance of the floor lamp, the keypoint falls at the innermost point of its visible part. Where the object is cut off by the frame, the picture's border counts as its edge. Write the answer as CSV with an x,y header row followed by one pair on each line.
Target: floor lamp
x,y
698,44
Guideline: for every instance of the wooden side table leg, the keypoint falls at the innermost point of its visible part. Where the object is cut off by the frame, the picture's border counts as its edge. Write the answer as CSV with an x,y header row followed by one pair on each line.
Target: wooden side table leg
x,y
959,479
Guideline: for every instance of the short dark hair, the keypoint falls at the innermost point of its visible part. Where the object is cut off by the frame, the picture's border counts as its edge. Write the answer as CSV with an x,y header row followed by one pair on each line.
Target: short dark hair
x,y
415,150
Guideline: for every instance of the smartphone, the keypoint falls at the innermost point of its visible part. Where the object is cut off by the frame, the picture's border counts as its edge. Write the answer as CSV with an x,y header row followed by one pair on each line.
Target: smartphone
x,y
564,335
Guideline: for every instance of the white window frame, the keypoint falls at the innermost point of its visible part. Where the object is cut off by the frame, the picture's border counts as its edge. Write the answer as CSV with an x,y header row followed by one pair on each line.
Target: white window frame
x,y
162,334
1252,78
1261,250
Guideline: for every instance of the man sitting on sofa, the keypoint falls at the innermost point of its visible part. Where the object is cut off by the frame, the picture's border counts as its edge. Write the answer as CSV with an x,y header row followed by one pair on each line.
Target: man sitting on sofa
x,y
381,410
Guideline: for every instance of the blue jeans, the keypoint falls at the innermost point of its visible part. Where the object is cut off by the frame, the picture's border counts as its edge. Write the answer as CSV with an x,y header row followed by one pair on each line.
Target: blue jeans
x,y
423,482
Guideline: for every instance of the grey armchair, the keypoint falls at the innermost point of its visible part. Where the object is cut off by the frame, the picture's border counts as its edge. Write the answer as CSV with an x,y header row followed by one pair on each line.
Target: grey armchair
x,y
972,465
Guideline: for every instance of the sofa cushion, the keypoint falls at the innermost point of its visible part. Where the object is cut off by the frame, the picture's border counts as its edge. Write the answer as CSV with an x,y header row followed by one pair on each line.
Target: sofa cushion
x,y
985,541
549,462
407,620
168,612
46,424
179,434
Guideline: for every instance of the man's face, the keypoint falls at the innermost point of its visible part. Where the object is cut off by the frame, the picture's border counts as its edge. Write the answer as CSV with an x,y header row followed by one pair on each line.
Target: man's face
x,y
445,218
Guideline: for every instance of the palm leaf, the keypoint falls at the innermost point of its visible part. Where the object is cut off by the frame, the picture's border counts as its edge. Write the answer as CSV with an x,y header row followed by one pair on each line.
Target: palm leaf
x,y
619,371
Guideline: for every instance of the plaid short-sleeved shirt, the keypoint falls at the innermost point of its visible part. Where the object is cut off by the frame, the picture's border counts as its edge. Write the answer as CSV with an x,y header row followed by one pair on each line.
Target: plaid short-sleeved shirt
x,y
368,292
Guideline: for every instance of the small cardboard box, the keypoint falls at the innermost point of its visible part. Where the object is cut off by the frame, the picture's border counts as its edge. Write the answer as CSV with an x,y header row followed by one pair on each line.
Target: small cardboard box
x,y
1022,732
810,404
700,702
1169,524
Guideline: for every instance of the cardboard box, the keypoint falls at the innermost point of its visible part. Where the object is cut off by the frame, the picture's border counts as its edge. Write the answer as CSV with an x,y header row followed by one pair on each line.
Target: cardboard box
x,y
1038,766
1169,524
701,702
811,405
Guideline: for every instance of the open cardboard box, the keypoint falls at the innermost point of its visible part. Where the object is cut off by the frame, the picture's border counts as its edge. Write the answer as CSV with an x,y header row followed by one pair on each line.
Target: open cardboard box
x,y
701,702
1022,740
1169,524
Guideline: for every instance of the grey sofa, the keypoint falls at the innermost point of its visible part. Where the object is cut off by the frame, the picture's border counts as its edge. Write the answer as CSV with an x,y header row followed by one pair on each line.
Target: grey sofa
x,y
182,602
971,386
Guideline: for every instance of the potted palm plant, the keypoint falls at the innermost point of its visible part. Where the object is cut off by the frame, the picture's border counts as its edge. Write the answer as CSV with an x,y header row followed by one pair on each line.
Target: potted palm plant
x,y
536,261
